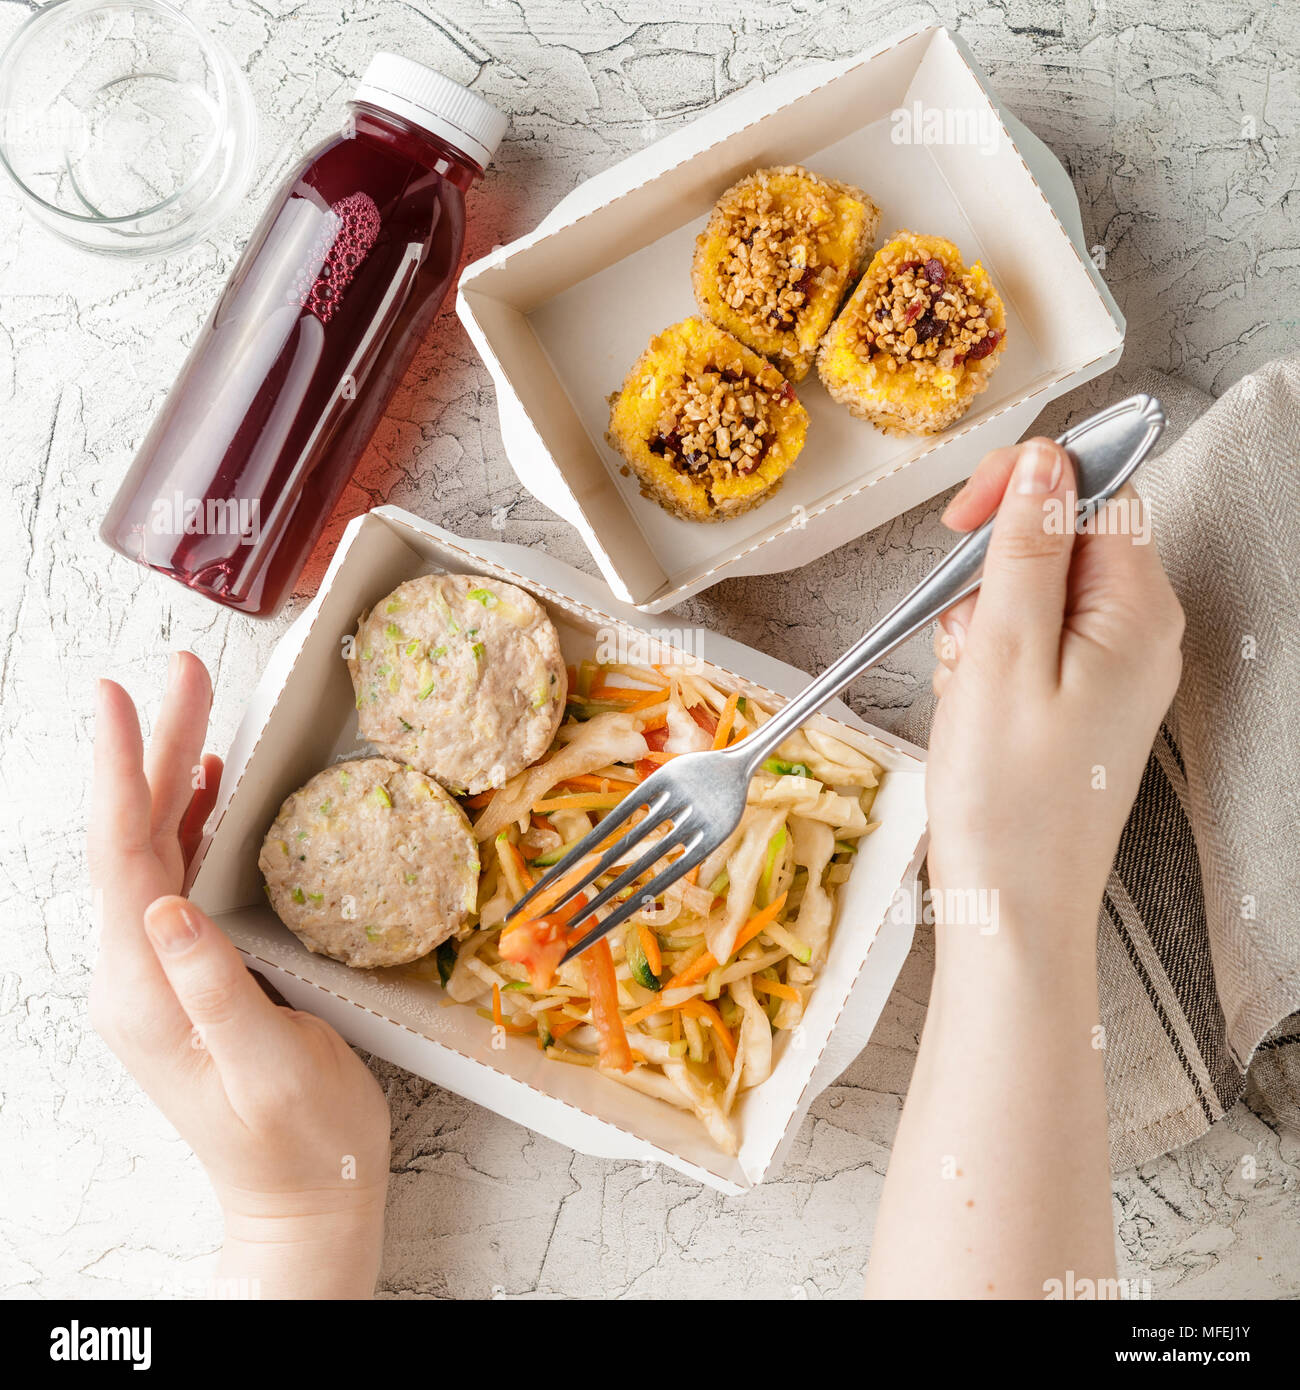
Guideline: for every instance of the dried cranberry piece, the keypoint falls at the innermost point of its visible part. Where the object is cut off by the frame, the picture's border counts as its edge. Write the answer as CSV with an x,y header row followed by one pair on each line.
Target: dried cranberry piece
x,y
786,393
914,311
908,265
804,282
983,347
927,328
934,271
882,313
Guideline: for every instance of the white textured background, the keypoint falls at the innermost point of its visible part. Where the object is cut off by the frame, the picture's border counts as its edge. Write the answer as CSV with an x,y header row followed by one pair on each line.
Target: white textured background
x,y
1178,123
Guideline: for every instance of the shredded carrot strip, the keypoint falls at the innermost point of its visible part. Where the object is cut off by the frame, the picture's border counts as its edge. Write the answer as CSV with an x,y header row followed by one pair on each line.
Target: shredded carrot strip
x,y
701,965
497,1016
561,1026
586,782
520,862
759,920
650,945
660,758
706,1013
580,801
696,970
602,986
660,721
636,1057
647,701
637,695
782,991
725,720
677,1026
482,799
644,1012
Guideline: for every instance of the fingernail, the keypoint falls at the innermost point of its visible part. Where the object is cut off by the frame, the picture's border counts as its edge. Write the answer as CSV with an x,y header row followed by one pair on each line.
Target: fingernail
x,y
172,925
956,629
173,669
1038,469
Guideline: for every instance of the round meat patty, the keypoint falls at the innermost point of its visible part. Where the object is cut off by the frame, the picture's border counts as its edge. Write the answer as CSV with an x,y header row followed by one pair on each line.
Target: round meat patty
x,y
461,677
371,863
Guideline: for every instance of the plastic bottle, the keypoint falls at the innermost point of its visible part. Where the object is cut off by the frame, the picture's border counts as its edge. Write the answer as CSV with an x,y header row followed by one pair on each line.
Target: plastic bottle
x,y
299,359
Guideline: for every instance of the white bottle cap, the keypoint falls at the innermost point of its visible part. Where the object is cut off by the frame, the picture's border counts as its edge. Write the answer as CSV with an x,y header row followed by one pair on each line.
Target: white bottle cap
x,y
435,103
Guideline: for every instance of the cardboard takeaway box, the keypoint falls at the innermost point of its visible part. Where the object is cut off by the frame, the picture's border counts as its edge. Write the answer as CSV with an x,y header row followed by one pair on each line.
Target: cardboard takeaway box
x,y
561,314
302,716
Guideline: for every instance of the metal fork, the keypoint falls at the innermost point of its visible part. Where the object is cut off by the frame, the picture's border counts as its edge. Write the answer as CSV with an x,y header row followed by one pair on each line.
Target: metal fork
x,y
697,800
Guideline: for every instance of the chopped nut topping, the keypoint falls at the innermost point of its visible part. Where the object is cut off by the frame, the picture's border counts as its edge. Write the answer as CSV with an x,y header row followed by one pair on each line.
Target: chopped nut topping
x,y
771,264
924,318
719,422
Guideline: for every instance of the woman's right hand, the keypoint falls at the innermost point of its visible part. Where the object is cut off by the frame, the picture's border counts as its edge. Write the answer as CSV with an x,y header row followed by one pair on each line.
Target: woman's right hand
x,y
1053,680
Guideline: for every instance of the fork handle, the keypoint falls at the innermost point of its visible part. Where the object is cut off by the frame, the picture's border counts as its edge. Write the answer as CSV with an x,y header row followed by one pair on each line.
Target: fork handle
x,y
1105,449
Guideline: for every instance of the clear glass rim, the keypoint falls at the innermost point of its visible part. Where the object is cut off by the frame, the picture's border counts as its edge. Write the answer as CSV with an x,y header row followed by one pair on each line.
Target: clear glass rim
x,y
31,27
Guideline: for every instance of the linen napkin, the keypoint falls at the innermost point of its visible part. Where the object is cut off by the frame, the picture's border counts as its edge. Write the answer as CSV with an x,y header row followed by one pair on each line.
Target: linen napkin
x,y
1199,929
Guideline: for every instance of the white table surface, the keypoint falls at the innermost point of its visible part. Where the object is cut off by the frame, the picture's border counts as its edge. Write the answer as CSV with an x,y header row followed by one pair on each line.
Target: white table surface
x,y
1178,124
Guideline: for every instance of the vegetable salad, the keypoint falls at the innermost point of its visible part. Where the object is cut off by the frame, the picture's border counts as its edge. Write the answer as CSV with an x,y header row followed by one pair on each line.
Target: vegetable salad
x,y
685,1001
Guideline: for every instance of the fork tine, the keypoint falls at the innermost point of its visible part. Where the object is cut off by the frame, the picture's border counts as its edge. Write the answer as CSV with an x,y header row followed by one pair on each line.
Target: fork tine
x,y
592,841
623,845
696,852
654,818
662,846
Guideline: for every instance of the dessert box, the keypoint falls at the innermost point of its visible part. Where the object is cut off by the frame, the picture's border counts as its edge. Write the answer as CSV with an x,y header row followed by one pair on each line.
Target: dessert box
x,y
560,315
301,717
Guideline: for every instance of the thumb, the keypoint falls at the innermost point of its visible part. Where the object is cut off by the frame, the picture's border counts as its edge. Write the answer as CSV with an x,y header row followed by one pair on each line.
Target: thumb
x,y
1021,604
235,1021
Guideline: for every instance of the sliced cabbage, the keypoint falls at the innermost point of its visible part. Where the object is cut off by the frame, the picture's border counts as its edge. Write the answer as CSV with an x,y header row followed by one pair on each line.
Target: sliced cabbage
x,y
705,1105
684,734
758,825
814,845
806,796
465,984
790,1014
755,1033
605,738
650,1083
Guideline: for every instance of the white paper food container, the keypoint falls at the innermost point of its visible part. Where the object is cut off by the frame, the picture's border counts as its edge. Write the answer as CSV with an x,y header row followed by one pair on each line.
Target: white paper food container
x,y
302,716
560,315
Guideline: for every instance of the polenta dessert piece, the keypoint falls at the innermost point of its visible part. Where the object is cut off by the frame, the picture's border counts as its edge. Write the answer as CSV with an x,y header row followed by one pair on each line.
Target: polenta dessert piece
x,y
708,427
780,249
918,339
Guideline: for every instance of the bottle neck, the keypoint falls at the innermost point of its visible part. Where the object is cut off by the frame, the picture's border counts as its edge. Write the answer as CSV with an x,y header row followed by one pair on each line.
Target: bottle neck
x,y
416,143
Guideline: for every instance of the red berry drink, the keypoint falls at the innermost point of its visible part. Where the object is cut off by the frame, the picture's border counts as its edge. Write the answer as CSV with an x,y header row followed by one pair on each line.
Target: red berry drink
x,y
302,353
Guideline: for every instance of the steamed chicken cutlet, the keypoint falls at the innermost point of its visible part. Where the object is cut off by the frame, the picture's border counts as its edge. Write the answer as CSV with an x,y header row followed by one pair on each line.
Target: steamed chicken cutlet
x,y
461,677
371,863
